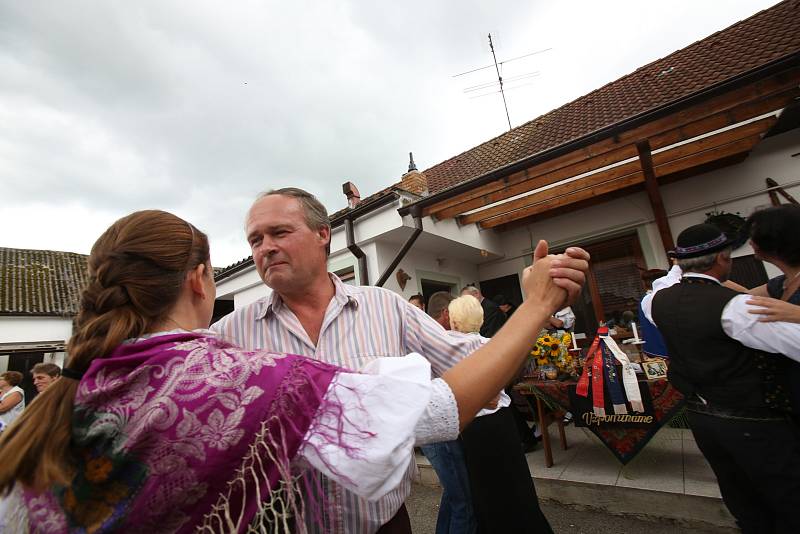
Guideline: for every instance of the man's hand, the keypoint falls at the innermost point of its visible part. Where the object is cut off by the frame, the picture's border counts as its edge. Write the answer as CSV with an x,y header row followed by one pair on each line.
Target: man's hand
x,y
774,310
568,270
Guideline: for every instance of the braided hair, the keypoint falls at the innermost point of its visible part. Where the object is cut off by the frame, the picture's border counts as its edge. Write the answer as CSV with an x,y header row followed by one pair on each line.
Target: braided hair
x,y
136,272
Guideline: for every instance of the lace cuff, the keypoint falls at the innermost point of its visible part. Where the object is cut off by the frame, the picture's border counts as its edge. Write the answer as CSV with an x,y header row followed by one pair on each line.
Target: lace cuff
x,y
439,422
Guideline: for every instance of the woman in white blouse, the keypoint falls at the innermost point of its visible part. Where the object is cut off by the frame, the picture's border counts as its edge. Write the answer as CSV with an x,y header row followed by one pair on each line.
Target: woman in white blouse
x,y
12,397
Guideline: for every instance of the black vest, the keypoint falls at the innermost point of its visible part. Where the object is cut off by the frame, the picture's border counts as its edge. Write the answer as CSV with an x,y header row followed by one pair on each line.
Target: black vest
x,y
703,359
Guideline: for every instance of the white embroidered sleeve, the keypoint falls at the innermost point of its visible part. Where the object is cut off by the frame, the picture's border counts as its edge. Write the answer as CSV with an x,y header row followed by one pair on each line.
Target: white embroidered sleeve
x,y
439,421
778,337
386,407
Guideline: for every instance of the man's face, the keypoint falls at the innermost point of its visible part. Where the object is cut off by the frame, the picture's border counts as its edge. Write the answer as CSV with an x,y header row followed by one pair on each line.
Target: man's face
x,y
444,319
42,381
287,253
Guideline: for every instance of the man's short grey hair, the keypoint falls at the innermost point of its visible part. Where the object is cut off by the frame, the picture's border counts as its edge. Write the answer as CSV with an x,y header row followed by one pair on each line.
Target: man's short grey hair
x,y
703,263
315,213
438,303
471,290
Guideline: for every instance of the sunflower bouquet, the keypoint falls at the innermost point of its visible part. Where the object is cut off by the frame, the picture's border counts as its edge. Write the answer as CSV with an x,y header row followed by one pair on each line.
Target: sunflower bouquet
x,y
552,351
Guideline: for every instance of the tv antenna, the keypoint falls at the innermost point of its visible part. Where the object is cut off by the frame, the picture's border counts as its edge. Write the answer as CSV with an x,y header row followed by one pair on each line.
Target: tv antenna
x,y
497,65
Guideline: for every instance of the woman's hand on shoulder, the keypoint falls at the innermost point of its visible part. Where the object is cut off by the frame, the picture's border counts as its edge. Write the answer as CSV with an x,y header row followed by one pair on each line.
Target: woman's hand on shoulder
x,y
772,310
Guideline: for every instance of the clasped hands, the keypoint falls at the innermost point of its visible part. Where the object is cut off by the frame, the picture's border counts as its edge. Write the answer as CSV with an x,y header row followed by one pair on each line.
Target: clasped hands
x,y
556,280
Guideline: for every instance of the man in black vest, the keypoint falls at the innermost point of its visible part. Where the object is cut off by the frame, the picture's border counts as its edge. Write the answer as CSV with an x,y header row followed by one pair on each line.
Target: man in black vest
x,y
720,356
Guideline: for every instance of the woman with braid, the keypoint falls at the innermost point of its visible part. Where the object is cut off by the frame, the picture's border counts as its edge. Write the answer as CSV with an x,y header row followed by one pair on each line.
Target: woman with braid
x,y
159,426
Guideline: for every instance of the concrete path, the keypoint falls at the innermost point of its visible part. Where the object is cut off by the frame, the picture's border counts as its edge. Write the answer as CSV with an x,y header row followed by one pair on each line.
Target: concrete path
x,y
668,480
423,506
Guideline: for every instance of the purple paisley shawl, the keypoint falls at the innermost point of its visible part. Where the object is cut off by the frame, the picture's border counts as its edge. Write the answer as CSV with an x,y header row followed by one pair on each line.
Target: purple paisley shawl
x,y
185,432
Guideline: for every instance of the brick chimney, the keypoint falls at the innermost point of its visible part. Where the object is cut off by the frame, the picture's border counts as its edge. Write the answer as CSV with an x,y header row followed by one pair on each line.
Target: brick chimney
x,y
351,192
414,181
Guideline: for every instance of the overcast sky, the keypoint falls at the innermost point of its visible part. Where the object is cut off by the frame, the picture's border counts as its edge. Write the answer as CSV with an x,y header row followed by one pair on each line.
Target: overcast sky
x,y
195,107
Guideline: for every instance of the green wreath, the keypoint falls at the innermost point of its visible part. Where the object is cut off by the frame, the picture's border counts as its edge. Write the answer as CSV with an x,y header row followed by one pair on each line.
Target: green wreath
x,y
732,224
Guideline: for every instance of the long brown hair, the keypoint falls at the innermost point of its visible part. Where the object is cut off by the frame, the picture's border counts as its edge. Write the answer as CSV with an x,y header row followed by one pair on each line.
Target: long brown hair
x,y
136,271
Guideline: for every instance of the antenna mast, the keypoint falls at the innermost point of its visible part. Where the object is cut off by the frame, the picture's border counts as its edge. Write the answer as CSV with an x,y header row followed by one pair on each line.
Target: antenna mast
x,y
500,79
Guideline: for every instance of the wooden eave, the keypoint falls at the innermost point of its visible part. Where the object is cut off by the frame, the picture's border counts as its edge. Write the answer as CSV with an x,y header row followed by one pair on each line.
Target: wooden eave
x,y
613,163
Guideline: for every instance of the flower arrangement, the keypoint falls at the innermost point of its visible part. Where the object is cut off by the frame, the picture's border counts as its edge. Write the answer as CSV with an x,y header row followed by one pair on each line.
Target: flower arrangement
x,y
553,351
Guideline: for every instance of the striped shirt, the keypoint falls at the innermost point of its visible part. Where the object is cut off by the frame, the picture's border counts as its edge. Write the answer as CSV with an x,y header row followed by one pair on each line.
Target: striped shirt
x,y
360,325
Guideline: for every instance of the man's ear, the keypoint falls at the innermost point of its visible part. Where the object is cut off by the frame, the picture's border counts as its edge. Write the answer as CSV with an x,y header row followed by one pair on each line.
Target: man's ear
x,y
195,281
325,234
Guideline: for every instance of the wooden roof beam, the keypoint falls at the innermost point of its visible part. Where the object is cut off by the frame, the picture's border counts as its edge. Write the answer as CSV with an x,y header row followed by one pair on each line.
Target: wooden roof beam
x,y
755,99
756,127
560,198
654,195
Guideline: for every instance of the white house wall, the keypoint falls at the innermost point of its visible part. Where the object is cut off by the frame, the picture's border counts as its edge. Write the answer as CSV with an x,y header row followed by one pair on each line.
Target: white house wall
x,y
686,203
34,329
242,281
417,261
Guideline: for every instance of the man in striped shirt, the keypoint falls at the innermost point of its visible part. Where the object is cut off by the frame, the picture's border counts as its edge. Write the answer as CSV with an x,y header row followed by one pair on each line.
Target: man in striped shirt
x,y
311,312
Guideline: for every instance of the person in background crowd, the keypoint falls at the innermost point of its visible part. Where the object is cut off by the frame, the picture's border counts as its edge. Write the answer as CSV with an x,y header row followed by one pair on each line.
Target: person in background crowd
x,y
12,397
716,349
418,301
157,425
45,374
311,312
654,344
503,495
562,319
493,317
505,305
775,237
447,457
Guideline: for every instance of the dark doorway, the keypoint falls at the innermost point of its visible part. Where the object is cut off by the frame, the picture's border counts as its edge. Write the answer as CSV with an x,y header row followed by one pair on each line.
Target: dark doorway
x,y
504,285
748,271
23,362
221,309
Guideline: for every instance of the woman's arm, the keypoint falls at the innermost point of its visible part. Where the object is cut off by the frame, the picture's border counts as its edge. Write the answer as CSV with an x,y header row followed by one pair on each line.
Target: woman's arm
x,y
10,401
774,310
477,378
760,291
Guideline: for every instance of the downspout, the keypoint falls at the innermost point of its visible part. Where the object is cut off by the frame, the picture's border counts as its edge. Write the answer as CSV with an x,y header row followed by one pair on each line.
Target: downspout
x,y
416,213
363,273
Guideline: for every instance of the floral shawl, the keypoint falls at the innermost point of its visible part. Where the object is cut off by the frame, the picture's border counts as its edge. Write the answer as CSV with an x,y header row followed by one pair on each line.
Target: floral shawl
x,y
186,433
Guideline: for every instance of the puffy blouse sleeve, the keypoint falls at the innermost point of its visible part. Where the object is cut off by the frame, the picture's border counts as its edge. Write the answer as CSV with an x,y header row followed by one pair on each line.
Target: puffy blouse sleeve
x,y
388,407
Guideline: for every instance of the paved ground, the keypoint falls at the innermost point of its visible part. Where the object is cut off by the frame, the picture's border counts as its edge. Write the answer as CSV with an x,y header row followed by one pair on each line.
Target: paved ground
x,y
423,506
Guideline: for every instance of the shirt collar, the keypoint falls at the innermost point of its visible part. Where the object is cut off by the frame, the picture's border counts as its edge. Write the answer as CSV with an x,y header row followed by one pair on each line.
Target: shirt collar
x,y
699,275
344,294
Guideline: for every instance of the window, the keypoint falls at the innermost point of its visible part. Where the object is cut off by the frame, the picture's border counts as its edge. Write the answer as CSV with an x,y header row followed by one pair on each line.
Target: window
x,y
615,281
347,275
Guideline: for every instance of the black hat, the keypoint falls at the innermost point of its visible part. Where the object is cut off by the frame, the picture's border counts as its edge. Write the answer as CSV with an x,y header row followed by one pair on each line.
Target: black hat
x,y
500,299
699,240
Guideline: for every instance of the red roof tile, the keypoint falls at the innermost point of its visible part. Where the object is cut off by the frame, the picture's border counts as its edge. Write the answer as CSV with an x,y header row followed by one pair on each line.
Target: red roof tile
x,y
765,37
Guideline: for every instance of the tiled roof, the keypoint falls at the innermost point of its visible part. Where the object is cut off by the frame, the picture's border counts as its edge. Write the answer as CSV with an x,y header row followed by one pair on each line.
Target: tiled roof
x,y
224,272
767,36
41,282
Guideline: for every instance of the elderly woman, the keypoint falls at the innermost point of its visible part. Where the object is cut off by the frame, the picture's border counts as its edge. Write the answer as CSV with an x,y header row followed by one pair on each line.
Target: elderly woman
x,y
157,425
503,495
12,397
